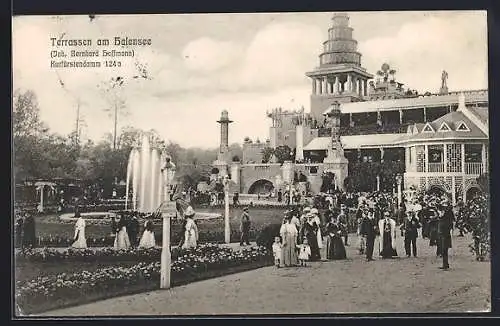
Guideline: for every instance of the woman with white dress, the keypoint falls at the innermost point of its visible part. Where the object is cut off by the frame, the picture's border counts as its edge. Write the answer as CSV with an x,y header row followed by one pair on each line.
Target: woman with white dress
x,y
148,237
190,230
80,240
122,240
288,233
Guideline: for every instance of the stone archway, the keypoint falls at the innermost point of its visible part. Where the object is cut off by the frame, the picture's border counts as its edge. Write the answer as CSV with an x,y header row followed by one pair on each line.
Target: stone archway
x,y
472,192
261,186
438,190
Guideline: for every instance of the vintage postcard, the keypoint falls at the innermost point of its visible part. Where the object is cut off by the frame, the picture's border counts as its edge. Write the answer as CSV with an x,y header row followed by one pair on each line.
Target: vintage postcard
x,y
249,164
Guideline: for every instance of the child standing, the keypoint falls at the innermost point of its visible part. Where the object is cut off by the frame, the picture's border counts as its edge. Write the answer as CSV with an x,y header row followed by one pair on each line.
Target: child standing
x,y
304,252
277,251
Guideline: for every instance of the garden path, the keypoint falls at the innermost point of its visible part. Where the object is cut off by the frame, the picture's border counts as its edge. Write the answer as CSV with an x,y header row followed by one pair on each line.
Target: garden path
x,y
350,286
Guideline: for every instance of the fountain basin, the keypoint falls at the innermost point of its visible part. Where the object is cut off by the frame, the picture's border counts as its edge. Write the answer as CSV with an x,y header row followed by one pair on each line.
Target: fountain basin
x,y
96,216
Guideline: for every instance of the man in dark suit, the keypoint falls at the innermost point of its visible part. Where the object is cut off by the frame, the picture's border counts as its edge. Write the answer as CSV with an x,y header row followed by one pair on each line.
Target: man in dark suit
x,y
445,227
245,227
344,223
369,230
133,230
409,229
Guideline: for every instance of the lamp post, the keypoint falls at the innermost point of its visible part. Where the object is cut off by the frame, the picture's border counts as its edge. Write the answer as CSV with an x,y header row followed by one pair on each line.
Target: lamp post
x,y
399,179
227,228
165,250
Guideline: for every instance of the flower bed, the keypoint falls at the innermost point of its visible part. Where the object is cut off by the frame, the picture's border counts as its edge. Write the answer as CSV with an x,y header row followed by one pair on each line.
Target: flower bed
x,y
50,292
88,255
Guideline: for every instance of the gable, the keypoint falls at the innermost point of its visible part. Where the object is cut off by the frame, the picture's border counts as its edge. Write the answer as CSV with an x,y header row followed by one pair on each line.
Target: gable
x,y
428,128
462,126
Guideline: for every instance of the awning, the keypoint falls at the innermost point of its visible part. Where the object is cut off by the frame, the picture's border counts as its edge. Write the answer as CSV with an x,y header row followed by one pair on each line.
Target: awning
x,y
356,141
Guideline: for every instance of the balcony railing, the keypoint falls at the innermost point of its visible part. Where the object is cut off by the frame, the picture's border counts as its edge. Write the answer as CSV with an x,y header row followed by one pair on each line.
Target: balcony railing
x,y
473,168
436,167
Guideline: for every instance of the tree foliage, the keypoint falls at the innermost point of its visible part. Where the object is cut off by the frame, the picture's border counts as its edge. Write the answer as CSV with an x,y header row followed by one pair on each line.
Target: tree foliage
x,y
363,175
40,154
283,153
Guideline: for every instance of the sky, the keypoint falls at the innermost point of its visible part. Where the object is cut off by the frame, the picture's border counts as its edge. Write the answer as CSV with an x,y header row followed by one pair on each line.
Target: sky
x,y
247,64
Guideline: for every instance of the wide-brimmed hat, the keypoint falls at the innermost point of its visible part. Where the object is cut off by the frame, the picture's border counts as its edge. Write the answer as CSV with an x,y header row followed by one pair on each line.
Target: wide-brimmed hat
x,y
306,209
189,212
314,211
245,208
387,214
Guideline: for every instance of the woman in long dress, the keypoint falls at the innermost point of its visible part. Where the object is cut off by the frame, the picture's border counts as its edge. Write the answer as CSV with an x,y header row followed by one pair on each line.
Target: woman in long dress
x,y
335,249
80,240
289,235
310,231
387,227
190,230
122,240
148,237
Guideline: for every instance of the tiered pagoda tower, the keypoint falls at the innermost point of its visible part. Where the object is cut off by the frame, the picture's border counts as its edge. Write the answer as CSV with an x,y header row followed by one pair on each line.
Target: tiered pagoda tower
x,y
339,76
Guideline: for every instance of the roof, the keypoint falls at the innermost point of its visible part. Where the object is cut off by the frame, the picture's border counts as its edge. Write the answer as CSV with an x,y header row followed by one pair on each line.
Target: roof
x,y
445,127
354,142
414,102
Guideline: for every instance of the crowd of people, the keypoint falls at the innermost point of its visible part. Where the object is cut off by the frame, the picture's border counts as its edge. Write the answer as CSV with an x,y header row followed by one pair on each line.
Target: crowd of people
x,y
305,231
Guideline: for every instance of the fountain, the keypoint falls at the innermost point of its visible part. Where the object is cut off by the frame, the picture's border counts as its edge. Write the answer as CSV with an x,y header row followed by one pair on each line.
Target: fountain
x,y
144,176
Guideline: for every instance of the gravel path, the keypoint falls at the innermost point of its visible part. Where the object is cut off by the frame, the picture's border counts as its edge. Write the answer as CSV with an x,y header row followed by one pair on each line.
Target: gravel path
x,y
350,286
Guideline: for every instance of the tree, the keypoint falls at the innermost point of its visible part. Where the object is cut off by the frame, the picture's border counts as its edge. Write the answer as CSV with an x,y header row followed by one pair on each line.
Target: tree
x,y
283,153
484,183
26,115
30,136
236,150
267,152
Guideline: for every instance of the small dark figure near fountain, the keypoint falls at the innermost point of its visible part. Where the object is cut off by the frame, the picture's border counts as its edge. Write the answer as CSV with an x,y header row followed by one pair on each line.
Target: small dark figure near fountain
x,y
133,230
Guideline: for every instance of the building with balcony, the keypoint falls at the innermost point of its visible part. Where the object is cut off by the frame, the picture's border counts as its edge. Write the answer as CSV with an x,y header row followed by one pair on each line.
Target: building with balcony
x,y
449,153
435,140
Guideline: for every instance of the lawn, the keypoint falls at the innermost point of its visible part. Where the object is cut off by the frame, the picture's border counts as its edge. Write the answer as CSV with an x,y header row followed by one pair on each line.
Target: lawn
x,y
209,230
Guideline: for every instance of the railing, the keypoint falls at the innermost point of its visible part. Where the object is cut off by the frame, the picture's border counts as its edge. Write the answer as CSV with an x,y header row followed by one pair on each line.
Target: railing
x,y
436,167
473,168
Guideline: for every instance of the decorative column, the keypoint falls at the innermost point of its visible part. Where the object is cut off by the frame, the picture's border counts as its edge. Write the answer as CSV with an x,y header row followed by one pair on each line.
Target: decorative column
x,y
170,208
40,206
349,83
362,86
378,182
314,86
453,192
399,180
425,115
227,228
483,159
381,155
463,159
224,122
350,119
336,87
407,159
426,159
325,85
366,88
400,116
445,158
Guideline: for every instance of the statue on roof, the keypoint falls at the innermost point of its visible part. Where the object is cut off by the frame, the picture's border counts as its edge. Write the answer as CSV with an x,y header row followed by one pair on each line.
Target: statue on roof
x,y
444,77
444,86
